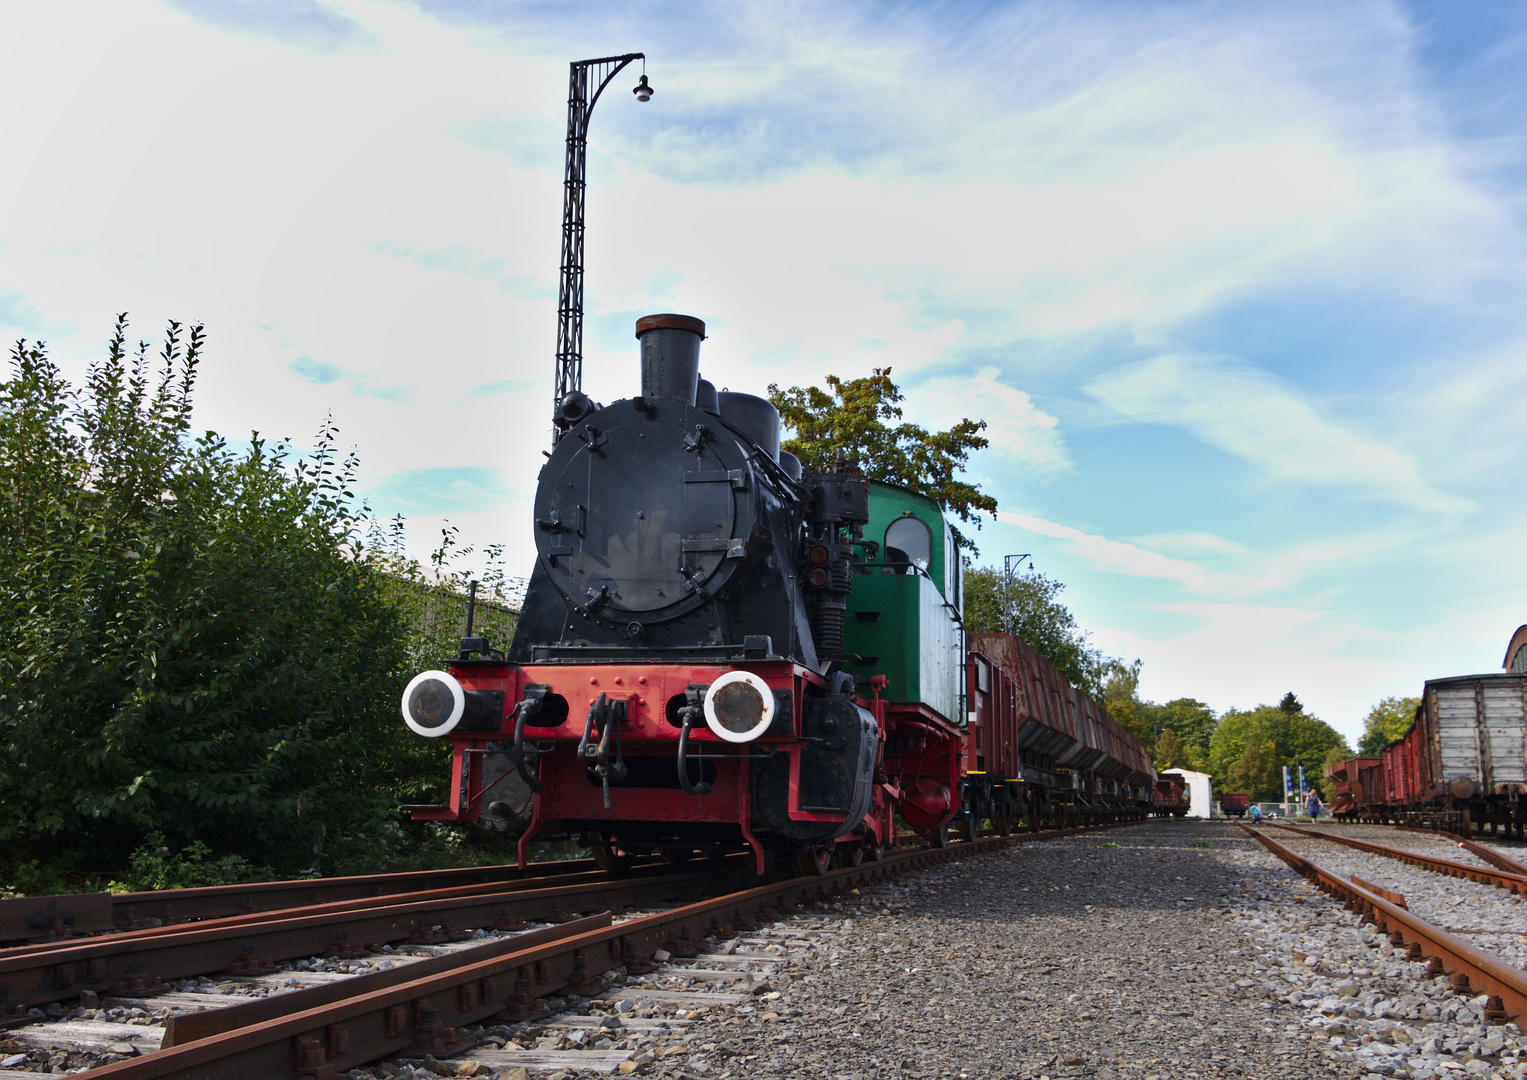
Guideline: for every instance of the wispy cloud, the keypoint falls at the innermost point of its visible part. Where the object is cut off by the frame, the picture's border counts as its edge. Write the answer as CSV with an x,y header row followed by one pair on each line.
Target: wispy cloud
x,y
324,374
447,491
1204,564
1022,435
1121,557
315,372
1259,419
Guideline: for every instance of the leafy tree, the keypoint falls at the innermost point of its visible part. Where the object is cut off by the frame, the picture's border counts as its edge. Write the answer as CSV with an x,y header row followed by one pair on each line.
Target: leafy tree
x,y
1387,721
1293,737
198,645
1034,612
1191,720
1121,697
857,417
1334,757
1169,752
1256,772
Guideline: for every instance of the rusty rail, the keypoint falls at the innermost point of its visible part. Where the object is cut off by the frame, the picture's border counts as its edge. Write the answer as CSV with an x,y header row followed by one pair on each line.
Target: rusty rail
x,y
188,1027
1493,857
1509,882
426,1013
1489,855
50,918
138,964
1471,970
738,863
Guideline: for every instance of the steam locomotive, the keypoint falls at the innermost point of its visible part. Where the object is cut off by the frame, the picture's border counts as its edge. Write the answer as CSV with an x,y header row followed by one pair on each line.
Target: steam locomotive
x,y
720,649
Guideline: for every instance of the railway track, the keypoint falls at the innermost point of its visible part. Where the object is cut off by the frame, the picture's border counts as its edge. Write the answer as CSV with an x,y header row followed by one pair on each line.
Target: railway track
x,y
425,1006
51,918
1490,855
1501,879
1470,969
141,963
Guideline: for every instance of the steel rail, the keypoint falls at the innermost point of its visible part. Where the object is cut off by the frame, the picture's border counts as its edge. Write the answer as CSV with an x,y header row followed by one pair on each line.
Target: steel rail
x,y
427,1014
738,862
69,914
1493,857
1489,855
1471,970
190,1026
1447,867
132,965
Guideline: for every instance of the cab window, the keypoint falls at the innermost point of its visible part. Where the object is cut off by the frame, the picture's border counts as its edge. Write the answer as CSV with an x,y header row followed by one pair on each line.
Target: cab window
x,y
908,540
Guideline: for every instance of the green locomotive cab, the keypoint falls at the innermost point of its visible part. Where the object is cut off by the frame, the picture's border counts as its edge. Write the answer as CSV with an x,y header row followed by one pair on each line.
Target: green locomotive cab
x,y
904,614
903,635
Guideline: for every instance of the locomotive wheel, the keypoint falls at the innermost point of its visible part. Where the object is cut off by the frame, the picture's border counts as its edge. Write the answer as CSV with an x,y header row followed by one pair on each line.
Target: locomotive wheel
x,y
677,856
873,852
608,857
815,862
851,853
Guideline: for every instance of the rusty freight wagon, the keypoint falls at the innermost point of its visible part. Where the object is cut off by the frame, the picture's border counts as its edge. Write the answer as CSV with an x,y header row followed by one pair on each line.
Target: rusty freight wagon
x,y
1170,797
1043,749
1466,749
1234,805
1372,801
1349,800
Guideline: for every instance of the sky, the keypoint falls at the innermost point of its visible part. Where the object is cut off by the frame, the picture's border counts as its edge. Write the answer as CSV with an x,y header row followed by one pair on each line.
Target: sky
x,y
1237,287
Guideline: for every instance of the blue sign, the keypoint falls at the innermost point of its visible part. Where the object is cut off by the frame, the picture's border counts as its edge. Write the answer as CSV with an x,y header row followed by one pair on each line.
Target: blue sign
x,y
1304,789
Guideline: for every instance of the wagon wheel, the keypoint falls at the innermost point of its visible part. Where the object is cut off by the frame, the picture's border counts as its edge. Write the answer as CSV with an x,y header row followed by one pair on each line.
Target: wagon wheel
x,y
851,853
939,837
873,851
1004,825
970,828
814,862
608,857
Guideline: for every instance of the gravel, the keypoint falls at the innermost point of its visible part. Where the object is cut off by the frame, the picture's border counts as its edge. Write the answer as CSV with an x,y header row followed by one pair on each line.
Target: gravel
x,y
1112,955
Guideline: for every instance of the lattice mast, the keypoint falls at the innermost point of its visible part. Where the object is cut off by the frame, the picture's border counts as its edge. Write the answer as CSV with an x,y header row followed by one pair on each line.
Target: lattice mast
x,y
584,74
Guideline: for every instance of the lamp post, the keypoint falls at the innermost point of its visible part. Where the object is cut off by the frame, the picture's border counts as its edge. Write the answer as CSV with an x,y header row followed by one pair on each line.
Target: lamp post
x,y
1008,562
585,75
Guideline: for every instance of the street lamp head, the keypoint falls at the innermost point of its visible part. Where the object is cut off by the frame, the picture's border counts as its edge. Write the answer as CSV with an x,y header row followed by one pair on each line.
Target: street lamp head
x,y
642,91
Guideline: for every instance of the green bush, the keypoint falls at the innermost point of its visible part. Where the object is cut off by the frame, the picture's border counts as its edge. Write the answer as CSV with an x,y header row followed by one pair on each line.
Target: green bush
x,y
155,866
198,642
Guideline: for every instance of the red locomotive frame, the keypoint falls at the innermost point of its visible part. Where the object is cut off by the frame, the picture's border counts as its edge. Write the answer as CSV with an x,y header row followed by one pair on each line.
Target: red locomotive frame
x,y
920,755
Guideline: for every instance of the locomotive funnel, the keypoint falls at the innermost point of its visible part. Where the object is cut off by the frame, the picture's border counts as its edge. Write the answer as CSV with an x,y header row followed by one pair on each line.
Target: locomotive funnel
x,y
670,355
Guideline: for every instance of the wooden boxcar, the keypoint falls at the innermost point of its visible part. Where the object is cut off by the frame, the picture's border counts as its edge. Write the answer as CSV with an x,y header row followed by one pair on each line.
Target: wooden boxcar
x,y
1470,731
